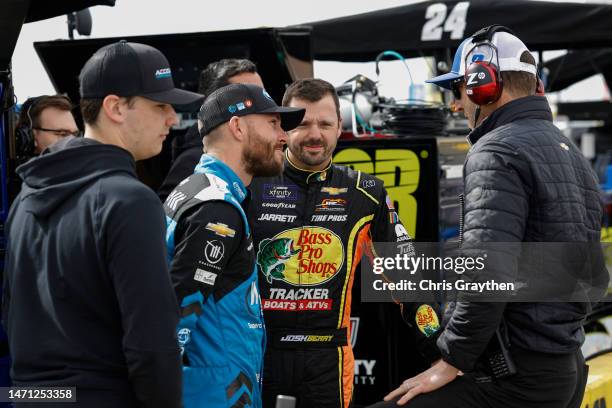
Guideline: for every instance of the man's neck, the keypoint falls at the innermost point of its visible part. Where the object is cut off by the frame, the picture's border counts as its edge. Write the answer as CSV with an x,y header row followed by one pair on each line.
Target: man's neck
x,y
106,136
234,162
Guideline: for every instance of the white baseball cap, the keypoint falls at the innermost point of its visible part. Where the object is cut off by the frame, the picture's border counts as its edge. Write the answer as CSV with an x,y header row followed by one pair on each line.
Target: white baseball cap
x,y
509,49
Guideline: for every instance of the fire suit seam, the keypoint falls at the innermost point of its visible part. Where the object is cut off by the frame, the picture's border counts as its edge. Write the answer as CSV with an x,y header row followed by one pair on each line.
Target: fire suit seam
x,y
349,261
340,376
362,190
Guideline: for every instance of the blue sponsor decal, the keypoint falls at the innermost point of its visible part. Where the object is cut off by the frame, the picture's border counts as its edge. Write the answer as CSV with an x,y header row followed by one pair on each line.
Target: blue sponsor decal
x,y
231,108
240,106
280,192
477,57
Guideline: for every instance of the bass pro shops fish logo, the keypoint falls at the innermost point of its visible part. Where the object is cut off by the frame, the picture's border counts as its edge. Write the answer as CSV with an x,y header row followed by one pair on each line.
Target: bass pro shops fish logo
x,y
304,256
272,255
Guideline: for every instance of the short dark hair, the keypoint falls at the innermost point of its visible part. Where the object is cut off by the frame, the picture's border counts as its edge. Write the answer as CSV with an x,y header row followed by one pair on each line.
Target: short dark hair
x,y
311,90
33,107
90,108
218,73
521,83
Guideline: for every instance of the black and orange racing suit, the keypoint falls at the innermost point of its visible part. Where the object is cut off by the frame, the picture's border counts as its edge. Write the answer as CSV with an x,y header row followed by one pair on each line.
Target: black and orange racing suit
x,y
310,231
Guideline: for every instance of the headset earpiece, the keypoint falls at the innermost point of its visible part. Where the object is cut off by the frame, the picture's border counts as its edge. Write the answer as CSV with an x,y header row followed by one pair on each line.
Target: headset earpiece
x,y
25,142
483,79
483,83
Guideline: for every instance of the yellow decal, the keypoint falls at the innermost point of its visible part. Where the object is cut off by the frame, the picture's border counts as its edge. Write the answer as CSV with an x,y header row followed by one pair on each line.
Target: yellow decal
x,y
427,320
399,184
220,229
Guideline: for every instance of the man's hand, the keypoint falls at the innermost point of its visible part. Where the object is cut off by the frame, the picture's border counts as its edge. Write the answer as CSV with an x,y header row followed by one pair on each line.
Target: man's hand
x,y
440,374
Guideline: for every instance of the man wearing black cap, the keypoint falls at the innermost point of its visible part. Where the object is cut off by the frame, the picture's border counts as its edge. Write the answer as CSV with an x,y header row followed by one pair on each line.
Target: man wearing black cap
x,y
88,302
209,240
187,148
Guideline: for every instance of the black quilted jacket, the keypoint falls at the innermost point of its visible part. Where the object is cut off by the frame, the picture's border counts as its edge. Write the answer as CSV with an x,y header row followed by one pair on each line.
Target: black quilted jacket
x,y
524,181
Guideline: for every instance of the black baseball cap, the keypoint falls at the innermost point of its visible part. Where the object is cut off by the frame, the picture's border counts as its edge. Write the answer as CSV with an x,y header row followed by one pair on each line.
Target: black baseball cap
x,y
241,100
132,69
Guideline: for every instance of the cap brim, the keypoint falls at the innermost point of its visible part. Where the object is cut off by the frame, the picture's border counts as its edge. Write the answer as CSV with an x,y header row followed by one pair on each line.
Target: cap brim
x,y
445,80
290,117
176,97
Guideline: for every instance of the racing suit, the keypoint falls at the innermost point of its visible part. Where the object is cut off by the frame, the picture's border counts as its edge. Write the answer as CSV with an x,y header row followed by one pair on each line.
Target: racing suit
x,y
221,331
311,230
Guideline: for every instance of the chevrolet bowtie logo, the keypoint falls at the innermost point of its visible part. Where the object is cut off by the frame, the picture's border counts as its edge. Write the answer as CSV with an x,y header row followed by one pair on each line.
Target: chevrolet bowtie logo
x,y
334,190
220,229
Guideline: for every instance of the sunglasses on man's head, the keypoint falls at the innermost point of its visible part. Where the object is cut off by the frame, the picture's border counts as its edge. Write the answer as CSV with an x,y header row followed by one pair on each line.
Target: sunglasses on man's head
x,y
456,88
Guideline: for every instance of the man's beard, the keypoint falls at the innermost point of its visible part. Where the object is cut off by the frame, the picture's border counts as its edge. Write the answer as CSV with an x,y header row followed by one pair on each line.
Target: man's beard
x,y
313,160
260,157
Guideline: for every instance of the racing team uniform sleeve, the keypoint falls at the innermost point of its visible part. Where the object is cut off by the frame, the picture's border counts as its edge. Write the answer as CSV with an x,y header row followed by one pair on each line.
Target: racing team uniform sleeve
x,y
205,241
387,227
149,312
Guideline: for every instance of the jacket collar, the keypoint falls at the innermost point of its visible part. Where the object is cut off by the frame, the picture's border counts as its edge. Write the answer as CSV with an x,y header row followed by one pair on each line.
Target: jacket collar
x,y
302,176
212,165
529,107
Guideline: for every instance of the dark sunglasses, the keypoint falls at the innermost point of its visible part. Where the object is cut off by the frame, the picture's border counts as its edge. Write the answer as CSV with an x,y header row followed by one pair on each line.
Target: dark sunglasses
x,y
456,88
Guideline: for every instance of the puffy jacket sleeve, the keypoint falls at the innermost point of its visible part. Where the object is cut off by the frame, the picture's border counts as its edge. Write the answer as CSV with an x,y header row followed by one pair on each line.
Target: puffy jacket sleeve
x,y
497,189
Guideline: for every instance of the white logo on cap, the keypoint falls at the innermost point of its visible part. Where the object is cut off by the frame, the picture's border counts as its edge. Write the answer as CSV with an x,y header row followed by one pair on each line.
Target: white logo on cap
x,y
163,73
471,78
267,95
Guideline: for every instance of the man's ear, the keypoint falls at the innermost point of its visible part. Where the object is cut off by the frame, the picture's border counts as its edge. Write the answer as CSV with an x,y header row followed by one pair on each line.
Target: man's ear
x,y
238,128
114,108
339,127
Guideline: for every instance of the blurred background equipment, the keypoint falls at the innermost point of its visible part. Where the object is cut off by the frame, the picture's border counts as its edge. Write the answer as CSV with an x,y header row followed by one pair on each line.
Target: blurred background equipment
x,y
365,111
358,97
79,21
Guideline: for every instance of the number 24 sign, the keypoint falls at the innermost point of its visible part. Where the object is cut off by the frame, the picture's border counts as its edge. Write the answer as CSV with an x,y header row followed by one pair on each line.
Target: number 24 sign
x,y
437,21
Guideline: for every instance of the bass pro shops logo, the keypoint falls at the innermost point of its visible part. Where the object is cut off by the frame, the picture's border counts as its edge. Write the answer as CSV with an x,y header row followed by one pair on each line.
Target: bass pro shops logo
x,y
305,256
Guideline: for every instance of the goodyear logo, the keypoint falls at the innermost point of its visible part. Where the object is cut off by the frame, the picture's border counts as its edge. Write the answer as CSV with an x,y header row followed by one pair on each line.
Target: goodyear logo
x,y
427,320
301,256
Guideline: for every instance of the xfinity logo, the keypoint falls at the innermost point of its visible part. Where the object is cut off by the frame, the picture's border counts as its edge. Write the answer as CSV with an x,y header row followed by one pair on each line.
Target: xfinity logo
x,y
280,192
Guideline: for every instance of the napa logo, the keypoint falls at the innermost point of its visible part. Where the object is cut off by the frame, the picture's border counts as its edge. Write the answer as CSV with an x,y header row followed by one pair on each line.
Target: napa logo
x,y
163,73
305,256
